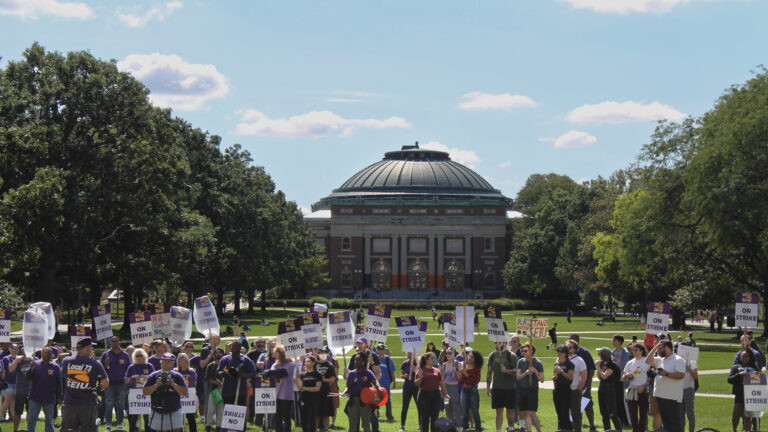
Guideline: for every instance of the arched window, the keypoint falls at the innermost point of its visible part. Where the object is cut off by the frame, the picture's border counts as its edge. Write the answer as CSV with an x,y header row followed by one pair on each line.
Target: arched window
x,y
454,275
381,275
417,275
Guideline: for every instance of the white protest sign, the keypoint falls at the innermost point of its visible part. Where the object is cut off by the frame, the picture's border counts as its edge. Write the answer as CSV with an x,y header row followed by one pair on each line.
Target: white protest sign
x,y
495,325
755,392
289,335
465,323
377,323
5,325
313,333
341,332
265,398
102,321
161,320
747,310
141,328
34,330
189,402
410,334
233,417
451,335
688,353
322,312
658,318
138,403
205,317
47,310
77,332
181,325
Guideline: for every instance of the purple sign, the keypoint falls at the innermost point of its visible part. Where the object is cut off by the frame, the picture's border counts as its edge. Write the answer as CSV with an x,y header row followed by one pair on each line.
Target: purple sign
x,y
658,307
747,298
492,312
423,326
406,321
101,310
338,317
160,308
380,311
755,379
139,317
308,319
288,327
79,331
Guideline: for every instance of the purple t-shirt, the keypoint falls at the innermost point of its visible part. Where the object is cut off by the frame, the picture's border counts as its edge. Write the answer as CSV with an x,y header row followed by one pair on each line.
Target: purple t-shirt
x,y
10,377
229,389
156,361
45,378
194,363
137,374
190,376
81,374
166,397
357,381
118,365
285,384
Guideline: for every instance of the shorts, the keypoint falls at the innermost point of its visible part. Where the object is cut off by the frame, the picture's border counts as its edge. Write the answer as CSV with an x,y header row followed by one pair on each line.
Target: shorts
x,y
166,421
11,389
325,406
21,402
528,399
502,398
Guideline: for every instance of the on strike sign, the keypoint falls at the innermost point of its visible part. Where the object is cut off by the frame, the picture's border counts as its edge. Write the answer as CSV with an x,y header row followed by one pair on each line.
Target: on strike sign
x,y
755,392
138,402
341,332
102,321
746,310
411,335
497,331
377,323
5,325
265,397
292,338
77,332
658,318
233,417
141,328
313,333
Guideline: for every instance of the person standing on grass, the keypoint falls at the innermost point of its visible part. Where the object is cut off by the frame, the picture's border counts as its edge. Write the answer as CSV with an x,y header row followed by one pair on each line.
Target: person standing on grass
x,y
325,408
578,382
358,379
20,365
165,388
668,388
135,377
213,408
746,365
410,390
116,362
636,376
387,379
530,372
590,363
608,373
450,372
552,335
81,373
500,384
45,390
561,395
431,385
190,378
309,383
469,377
283,372
689,393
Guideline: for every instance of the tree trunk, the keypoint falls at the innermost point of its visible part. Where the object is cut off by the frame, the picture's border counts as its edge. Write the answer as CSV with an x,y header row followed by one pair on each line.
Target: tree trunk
x,y
263,299
250,302
236,298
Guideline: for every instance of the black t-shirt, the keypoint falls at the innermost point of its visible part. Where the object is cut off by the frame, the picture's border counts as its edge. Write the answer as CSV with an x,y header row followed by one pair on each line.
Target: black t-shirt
x,y
326,370
254,355
612,380
310,380
562,384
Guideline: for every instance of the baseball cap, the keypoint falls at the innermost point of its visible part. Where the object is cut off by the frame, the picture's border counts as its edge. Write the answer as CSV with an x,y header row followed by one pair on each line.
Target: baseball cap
x,y
167,356
85,342
362,339
322,350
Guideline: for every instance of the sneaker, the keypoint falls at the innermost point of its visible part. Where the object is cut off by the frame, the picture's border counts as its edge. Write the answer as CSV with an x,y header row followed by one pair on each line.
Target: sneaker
x,y
402,428
98,421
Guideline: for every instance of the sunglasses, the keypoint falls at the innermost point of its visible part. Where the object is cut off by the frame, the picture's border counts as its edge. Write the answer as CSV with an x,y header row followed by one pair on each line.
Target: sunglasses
x,y
139,355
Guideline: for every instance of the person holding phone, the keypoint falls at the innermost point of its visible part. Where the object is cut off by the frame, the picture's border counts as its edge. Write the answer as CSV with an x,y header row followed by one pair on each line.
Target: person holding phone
x,y
746,365
668,385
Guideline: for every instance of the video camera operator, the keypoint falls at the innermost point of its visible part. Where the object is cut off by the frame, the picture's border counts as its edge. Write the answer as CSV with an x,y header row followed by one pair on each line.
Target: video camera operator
x,y
166,387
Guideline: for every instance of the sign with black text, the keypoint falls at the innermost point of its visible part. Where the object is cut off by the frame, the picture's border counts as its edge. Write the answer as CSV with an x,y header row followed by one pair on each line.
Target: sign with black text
x,y
658,318
747,310
377,323
141,328
102,321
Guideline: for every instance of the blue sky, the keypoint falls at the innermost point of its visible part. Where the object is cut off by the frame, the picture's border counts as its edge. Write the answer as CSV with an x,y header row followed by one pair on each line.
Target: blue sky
x,y
317,90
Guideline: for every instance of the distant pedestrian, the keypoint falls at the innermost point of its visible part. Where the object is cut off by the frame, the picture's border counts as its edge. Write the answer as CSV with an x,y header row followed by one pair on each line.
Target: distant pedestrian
x,y
568,314
552,335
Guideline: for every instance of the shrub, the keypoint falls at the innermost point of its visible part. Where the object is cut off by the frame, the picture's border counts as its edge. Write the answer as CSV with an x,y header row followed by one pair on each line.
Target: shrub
x,y
318,299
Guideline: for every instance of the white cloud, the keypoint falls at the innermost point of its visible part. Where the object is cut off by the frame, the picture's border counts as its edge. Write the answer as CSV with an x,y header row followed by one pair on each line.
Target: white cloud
x,y
464,157
158,13
33,8
505,164
574,138
484,101
624,7
174,82
313,124
623,112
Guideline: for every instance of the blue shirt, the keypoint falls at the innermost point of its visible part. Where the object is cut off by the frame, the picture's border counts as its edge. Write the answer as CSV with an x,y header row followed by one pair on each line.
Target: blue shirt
x,y
45,379
387,367
587,357
166,396
81,375
118,365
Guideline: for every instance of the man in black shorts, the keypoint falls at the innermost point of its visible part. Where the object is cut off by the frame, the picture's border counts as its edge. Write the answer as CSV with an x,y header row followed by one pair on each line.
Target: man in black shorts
x,y
501,379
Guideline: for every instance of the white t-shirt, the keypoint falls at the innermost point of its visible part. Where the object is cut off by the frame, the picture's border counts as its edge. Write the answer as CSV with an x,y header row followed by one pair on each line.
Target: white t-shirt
x,y
639,369
665,387
688,379
578,366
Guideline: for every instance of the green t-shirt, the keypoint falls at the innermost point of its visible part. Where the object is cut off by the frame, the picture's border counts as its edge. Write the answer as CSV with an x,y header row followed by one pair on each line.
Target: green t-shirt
x,y
501,380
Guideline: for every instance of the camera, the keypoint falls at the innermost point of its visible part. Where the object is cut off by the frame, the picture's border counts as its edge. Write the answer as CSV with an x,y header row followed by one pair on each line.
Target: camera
x,y
651,373
659,370
165,379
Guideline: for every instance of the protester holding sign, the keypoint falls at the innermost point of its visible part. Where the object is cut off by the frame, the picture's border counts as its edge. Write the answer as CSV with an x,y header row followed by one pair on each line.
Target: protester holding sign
x,y
136,376
45,390
116,362
81,373
214,404
736,377
20,365
410,390
190,378
166,386
282,371
325,408
358,379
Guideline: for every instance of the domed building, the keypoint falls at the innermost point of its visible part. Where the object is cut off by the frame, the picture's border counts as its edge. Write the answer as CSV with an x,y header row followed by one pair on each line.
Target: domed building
x,y
414,225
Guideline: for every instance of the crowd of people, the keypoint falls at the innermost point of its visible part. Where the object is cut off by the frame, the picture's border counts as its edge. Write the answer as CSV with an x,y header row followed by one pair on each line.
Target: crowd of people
x,y
635,382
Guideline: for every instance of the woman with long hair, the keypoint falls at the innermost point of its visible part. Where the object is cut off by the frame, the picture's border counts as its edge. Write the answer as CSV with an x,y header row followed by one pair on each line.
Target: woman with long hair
x,y
432,348
469,377
450,373
136,377
609,375
190,377
746,365
636,374
561,395
430,383
282,371
309,383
